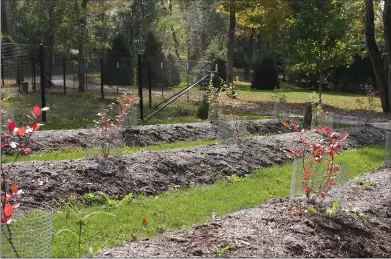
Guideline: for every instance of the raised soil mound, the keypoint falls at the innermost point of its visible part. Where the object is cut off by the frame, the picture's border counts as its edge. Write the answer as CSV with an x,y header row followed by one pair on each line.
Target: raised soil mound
x,y
151,173
272,230
46,141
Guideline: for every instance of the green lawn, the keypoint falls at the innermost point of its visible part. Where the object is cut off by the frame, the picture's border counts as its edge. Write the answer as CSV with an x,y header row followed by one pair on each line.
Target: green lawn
x,y
77,110
182,209
296,95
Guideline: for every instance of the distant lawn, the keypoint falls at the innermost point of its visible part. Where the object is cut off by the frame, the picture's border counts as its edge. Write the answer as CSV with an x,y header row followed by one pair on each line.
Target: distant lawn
x,y
76,110
183,208
298,95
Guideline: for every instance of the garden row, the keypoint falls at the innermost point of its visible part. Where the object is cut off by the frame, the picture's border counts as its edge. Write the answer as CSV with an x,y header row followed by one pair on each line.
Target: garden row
x,y
54,140
359,228
151,173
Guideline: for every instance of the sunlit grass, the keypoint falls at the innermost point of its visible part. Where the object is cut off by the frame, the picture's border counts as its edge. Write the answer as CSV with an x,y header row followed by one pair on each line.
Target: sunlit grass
x,y
81,153
181,209
298,95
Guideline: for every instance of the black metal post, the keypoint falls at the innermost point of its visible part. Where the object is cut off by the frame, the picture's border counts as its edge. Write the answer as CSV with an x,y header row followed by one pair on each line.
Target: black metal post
x,y
74,75
150,84
64,75
187,80
34,77
18,72
2,72
101,79
42,68
140,87
86,74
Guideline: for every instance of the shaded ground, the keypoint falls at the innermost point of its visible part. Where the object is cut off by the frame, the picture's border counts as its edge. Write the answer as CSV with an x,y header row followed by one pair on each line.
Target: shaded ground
x,y
272,230
151,173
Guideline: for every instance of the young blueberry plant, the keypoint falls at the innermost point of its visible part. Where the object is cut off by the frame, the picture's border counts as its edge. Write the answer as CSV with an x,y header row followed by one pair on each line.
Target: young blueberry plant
x,y
17,141
111,123
318,160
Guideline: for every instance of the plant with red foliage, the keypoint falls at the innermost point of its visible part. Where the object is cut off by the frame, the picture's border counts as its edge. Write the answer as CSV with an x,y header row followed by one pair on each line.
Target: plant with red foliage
x,y
322,152
110,123
18,139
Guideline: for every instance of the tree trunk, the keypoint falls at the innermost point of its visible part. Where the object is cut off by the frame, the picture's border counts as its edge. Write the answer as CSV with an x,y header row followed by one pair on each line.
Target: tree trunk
x,y
231,41
387,43
174,37
320,85
49,68
81,68
375,55
247,65
82,25
49,41
8,6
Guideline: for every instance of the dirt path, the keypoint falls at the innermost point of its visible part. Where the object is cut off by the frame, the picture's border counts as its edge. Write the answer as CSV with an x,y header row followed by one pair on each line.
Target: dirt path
x,y
271,230
151,173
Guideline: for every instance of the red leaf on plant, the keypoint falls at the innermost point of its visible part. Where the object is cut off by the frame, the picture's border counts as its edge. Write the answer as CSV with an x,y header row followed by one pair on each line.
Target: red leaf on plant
x,y
307,189
11,126
145,221
286,124
37,110
298,212
8,210
14,189
21,131
36,126
27,150
6,197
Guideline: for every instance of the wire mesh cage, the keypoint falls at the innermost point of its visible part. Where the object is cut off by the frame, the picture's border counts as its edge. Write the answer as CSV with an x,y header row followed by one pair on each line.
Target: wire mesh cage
x,y
131,118
317,180
30,235
321,118
278,111
108,143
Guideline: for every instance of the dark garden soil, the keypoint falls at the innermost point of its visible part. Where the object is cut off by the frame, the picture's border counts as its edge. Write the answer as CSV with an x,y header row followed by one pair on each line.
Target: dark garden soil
x,y
54,140
360,229
151,173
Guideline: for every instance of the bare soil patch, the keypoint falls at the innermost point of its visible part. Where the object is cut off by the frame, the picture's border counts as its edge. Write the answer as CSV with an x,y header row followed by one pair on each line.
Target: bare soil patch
x,y
271,230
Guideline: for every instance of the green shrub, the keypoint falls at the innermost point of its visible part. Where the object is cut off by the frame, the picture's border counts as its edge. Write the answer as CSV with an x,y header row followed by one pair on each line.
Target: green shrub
x,y
265,74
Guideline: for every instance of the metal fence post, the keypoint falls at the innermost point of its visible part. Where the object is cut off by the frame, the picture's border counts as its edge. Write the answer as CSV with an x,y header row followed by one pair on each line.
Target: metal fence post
x,y
140,87
86,66
150,84
42,68
2,72
64,75
18,71
101,79
34,77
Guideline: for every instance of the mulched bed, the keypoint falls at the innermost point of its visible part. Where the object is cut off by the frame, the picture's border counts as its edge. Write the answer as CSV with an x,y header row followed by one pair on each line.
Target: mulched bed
x,y
272,230
151,173
54,140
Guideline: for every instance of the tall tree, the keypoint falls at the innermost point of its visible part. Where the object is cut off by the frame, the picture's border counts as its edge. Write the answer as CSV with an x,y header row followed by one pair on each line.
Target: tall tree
x,y
320,35
81,14
381,67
